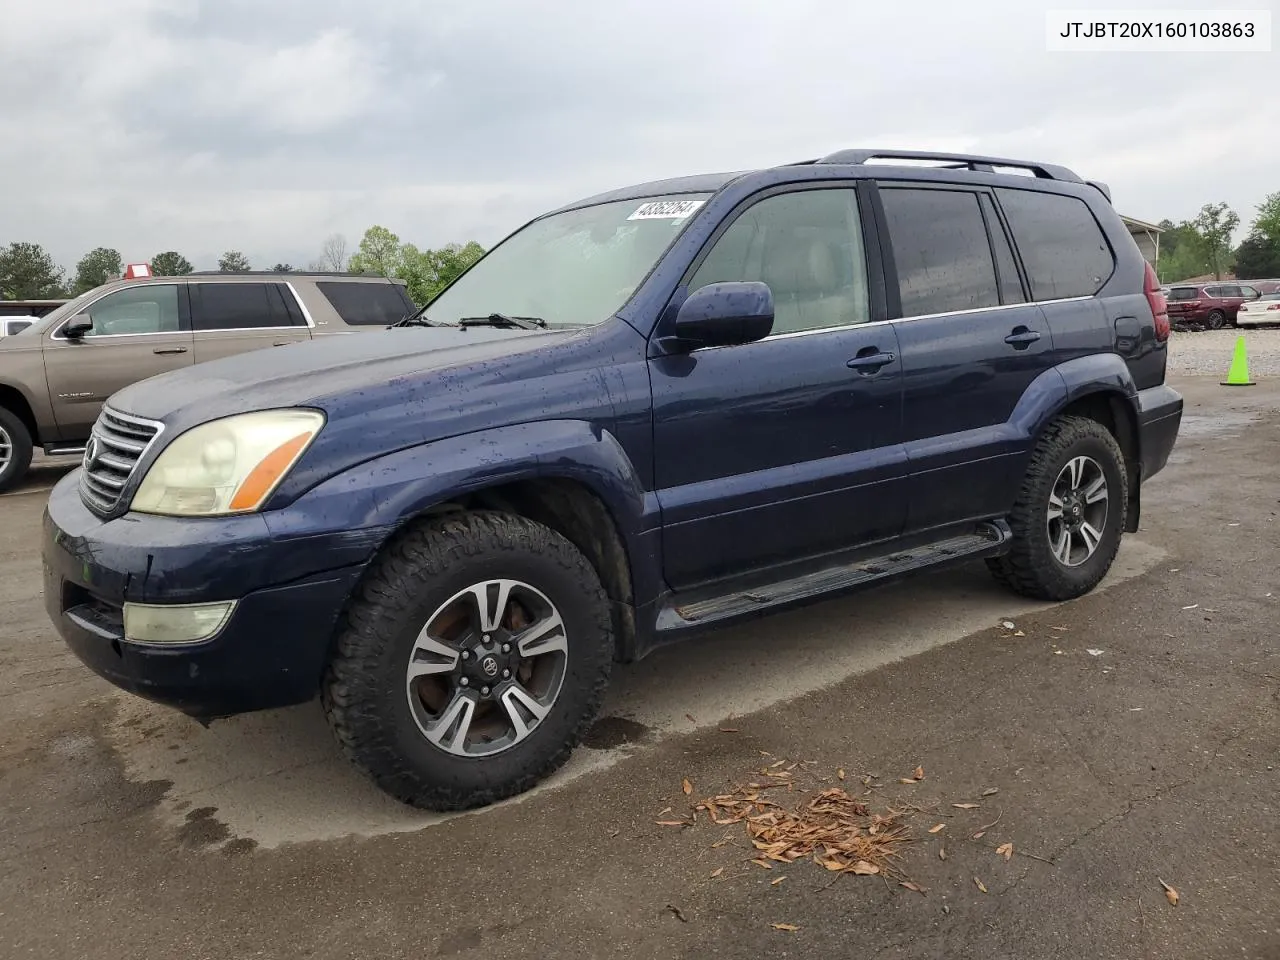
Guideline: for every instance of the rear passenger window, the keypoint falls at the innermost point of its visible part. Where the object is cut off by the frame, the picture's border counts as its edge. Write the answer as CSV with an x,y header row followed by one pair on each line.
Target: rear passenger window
x,y
941,250
1010,285
1062,246
367,304
238,306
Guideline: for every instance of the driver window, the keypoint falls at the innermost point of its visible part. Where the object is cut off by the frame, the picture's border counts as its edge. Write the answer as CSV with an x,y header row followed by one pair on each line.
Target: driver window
x,y
150,308
807,246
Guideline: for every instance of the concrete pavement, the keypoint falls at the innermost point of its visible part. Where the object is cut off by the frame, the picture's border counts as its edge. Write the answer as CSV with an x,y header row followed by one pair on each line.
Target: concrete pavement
x,y
130,830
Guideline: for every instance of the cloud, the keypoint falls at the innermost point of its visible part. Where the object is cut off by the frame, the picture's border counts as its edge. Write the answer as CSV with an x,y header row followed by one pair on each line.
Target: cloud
x,y
265,125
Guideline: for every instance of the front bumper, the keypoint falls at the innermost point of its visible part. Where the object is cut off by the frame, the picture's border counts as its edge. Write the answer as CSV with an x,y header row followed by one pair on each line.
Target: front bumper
x,y
271,652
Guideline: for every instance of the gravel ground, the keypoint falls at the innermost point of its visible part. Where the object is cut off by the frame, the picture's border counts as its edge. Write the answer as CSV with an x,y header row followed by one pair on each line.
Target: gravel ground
x,y
1209,352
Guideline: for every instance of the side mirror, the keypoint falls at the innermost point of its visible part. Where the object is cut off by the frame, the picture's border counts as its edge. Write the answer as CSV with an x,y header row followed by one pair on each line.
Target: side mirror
x,y
725,314
78,326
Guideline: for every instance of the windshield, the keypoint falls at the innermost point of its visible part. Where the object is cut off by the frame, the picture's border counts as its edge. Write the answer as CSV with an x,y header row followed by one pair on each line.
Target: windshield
x,y
571,269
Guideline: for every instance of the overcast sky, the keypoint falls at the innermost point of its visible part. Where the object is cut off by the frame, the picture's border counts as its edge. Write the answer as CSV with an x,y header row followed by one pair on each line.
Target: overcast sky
x,y
264,125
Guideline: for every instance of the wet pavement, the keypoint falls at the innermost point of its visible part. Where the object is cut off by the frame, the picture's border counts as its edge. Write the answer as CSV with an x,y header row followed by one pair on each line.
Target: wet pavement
x,y
1129,737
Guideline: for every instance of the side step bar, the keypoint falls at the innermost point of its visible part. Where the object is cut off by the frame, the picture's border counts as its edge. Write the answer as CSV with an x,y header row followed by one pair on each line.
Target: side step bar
x,y
63,449
988,539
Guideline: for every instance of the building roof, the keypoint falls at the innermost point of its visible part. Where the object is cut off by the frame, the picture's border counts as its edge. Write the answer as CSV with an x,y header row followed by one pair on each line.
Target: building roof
x,y
1132,222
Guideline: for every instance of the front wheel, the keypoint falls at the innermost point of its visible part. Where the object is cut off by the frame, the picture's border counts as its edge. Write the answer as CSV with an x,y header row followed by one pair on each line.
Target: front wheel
x,y
15,449
1069,515
471,661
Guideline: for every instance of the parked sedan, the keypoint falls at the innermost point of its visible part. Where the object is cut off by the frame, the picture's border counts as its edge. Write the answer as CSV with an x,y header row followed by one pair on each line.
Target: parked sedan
x,y
1214,304
1262,312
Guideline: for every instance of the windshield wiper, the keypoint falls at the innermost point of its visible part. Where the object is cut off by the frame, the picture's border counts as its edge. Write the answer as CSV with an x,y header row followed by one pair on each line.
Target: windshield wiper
x,y
503,320
416,319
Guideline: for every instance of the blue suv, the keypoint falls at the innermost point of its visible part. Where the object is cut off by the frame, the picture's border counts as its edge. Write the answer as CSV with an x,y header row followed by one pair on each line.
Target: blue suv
x,y
645,414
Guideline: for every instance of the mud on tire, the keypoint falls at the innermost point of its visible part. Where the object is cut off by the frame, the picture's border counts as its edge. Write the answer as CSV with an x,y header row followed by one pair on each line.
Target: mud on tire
x,y
374,706
1031,567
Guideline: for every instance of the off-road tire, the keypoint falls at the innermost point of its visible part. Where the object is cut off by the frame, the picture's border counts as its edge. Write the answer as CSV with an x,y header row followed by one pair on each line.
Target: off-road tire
x,y
1030,568
20,450
363,691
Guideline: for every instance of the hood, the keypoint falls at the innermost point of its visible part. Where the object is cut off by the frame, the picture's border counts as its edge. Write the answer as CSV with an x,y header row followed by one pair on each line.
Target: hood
x,y
309,373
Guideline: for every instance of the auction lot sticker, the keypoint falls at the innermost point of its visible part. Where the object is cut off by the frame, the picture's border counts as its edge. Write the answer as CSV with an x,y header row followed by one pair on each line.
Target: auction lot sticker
x,y
666,209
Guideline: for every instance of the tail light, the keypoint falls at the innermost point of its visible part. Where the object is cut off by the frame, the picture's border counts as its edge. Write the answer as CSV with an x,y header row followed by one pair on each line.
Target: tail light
x,y
1274,306
1159,306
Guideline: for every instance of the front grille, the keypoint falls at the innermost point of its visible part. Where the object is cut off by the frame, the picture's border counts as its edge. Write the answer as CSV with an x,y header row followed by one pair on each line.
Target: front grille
x,y
115,446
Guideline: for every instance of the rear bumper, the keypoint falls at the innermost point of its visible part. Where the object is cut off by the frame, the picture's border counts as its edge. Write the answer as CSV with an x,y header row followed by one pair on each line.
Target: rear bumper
x,y
1159,417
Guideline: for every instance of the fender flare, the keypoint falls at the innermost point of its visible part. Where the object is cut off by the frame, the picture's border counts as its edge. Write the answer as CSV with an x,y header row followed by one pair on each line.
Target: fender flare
x,y
389,491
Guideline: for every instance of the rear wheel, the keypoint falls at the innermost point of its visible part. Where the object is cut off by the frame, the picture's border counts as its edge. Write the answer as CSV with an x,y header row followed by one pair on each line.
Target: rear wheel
x,y
1216,320
15,449
472,661
1070,513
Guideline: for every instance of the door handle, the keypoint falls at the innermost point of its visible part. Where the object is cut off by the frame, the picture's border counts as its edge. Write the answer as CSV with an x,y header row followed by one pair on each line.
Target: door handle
x,y
870,359
1021,338
282,343
169,350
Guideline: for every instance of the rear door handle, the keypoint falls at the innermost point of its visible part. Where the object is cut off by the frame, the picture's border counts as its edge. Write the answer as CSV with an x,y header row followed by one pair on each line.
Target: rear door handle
x,y
1021,338
282,343
870,359
169,350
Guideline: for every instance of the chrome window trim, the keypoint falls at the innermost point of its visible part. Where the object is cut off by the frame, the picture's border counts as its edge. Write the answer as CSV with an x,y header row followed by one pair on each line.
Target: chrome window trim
x,y
174,282
879,323
306,314
159,282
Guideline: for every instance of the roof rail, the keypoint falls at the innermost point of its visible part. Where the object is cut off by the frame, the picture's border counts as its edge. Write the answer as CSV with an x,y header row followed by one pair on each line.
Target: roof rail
x,y
286,273
1045,171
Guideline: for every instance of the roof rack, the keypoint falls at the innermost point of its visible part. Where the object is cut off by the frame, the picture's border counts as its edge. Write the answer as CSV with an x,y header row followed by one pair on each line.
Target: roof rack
x,y
955,161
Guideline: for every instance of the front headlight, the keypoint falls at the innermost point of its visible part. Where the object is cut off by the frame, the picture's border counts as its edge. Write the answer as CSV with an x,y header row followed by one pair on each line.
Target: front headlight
x,y
227,466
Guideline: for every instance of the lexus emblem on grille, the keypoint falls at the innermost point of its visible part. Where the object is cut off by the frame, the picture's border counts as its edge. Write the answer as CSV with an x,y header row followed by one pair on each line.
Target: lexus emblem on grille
x,y
90,453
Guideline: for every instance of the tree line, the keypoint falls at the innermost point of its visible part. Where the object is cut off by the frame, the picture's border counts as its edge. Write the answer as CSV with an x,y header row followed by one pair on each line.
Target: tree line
x,y
28,272
1202,245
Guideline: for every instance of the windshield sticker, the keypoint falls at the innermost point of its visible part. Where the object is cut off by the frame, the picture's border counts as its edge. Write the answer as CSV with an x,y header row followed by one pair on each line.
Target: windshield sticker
x,y
666,209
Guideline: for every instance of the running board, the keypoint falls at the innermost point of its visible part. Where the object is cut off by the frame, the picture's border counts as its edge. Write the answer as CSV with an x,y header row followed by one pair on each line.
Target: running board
x,y
988,539
63,450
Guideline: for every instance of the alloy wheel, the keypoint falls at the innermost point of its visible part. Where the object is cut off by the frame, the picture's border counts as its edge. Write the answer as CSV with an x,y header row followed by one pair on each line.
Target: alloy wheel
x,y
1077,513
487,668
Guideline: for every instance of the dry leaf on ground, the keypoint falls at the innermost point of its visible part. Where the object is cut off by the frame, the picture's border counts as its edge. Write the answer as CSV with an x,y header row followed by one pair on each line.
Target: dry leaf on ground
x,y
942,853
716,872
774,883
990,791
1005,850
980,885
686,786
912,886
673,823
835,830
789,927
919,773
979,835
937,828
840,773
1170,894
966,806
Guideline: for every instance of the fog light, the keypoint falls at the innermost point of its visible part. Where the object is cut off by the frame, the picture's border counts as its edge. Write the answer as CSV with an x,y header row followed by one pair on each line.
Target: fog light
x,y
175,622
